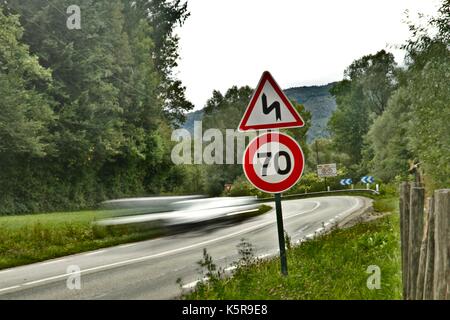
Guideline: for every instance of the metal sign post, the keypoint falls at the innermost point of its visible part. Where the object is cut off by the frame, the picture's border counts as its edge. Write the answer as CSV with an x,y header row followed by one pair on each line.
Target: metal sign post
x,y
283,259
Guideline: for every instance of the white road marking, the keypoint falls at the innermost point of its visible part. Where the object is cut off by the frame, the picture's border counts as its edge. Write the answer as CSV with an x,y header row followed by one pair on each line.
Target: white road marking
x,y
9,288
6,271
231,268
128,245
169,252
194,283
51,262
94,252
240,212
46,279
304,228
190,284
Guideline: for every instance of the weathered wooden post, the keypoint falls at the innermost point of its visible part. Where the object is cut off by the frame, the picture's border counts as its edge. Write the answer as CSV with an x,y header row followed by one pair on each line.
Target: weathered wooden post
x,y
442,243
415,235
420,284
429,264
404,230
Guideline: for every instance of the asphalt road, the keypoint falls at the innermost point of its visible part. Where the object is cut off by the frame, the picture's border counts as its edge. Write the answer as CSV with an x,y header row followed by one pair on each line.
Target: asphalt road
x,y
149,269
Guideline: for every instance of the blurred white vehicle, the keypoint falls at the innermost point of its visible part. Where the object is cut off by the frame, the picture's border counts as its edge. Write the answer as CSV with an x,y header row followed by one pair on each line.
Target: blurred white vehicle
x,y
178,210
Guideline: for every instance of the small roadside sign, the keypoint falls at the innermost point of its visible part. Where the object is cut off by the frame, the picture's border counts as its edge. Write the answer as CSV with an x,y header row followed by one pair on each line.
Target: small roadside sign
x,y
326,170
367,179
269,108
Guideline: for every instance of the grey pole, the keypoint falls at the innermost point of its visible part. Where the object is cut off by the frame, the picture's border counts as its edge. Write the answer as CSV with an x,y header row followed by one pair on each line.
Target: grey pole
x,y
284,269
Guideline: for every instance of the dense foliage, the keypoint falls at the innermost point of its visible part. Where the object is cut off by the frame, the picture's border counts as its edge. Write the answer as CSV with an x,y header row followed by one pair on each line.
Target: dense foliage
x,y
86,114
389,118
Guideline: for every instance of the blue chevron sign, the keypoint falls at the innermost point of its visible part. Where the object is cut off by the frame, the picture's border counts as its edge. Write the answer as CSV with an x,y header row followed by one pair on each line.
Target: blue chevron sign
x,y
346,182
367,179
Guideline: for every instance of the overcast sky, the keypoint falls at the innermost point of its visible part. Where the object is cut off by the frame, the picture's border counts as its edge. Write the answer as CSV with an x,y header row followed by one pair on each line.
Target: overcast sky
x,y
301,42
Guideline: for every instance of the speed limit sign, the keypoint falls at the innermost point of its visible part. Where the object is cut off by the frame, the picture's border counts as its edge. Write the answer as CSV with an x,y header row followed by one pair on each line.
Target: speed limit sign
x,y
273,162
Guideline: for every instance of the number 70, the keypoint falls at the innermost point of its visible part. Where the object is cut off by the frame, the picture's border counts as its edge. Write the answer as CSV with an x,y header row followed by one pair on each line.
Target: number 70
x,y
276,159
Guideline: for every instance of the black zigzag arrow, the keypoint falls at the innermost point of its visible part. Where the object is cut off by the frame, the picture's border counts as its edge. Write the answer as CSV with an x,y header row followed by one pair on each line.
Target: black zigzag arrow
x,y
275,105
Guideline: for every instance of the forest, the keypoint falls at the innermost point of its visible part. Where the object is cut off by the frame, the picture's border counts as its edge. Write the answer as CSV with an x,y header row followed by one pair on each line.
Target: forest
x,y
87,114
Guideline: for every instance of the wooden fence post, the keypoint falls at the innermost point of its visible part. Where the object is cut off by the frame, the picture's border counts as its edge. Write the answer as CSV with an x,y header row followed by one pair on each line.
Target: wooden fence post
x,y
404,230
442,238
429,264
420,285
415,236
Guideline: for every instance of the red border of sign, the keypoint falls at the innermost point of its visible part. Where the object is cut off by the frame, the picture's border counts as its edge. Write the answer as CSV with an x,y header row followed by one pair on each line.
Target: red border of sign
x,y
268,77
296,173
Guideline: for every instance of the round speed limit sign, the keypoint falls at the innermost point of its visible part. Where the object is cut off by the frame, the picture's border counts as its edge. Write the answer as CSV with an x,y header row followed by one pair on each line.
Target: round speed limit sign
x,y
273,162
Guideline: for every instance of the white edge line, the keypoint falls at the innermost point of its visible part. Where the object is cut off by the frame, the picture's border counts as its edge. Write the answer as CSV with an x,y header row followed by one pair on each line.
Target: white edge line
x,y
6,271
230,268
128,245
94,252
194,283
54,261
10,288
240,212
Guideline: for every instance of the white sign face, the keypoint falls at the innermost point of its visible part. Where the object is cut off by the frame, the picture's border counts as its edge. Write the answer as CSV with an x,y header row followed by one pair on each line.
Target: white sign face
x,y
269,108
273,162
327,170
269,99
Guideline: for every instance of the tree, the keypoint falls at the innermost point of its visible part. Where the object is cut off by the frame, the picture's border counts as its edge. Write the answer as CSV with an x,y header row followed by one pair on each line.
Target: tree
x,y
376,75
388,139
429,129
350,121
25,113
106,110
224,112
163,17
361,97
415,123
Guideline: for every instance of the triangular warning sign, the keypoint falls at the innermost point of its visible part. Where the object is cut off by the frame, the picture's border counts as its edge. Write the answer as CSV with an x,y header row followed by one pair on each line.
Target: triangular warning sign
x,y
269,108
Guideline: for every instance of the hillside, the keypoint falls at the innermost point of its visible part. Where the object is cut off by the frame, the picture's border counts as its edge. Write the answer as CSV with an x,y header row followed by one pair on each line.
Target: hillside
x,y
321,104
190,118
316,99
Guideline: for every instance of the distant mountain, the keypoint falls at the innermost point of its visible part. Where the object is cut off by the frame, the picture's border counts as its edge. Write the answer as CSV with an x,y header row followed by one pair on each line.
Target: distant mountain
x,y
321,104
316,99
190,118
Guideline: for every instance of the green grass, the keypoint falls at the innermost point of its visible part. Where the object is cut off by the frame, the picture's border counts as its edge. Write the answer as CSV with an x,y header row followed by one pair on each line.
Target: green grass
x,y
31,238
332,266
389,204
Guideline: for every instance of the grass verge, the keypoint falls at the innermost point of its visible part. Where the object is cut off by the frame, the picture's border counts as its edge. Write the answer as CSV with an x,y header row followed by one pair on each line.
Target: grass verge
x,y
26,239
333,266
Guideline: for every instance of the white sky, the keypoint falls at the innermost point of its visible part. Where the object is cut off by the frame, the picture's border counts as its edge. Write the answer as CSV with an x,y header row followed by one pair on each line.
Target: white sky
x,y
301,42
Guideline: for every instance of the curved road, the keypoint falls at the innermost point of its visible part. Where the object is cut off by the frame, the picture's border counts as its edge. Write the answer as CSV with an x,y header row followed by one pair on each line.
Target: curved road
x,y
149,269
